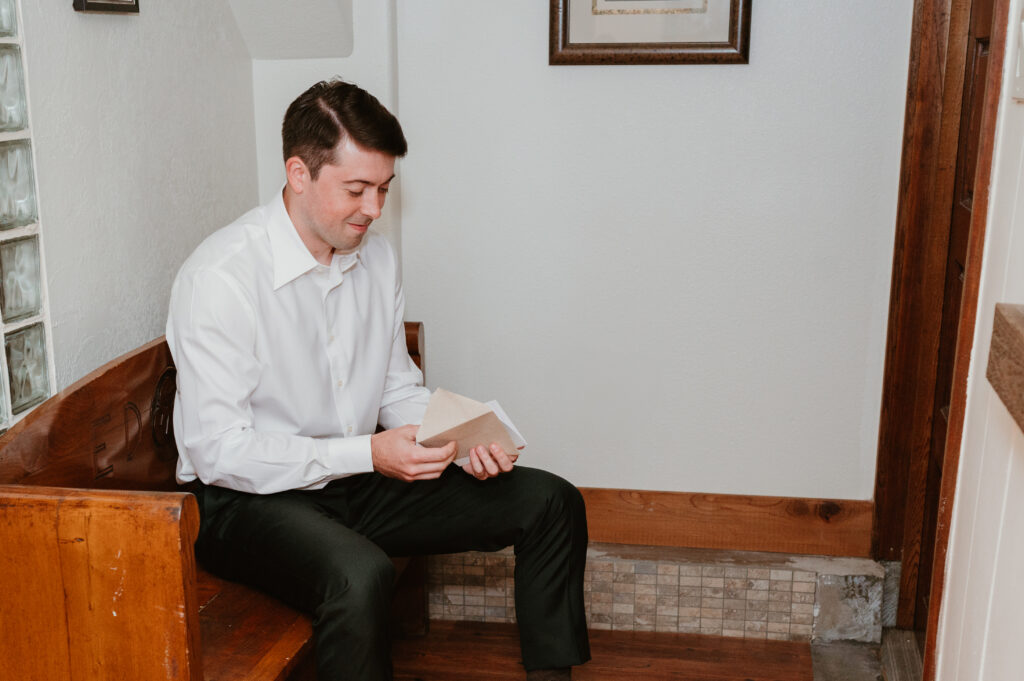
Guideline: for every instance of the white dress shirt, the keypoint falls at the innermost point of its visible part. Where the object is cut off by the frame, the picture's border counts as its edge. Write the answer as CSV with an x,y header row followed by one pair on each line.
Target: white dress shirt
x,y
285,366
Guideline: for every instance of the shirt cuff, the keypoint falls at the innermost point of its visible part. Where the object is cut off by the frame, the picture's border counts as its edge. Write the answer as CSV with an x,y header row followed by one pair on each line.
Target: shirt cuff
x,y
349,455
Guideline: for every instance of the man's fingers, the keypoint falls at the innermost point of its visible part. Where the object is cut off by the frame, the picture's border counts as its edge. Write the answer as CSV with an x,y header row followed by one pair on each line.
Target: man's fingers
x,y
501,458
487,460
437,454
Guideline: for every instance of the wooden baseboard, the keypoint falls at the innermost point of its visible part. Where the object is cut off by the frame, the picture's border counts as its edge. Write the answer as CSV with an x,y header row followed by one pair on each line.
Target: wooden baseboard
x,y
726,521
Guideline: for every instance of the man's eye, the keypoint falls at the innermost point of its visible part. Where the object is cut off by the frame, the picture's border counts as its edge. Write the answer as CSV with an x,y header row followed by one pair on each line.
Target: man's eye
x,y
353,194
382,190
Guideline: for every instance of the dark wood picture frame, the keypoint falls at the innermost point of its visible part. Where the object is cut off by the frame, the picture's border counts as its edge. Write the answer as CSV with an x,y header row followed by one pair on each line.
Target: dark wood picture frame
x,y
106,6
734,51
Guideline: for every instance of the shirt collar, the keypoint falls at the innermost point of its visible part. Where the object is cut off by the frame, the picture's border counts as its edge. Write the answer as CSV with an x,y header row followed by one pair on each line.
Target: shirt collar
x,y
290,256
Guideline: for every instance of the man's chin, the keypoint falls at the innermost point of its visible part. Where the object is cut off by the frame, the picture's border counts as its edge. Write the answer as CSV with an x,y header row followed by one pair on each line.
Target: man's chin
x,y
349,244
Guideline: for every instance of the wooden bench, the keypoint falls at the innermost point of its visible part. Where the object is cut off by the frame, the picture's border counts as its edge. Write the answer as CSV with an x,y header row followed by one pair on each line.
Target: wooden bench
x,y
99,579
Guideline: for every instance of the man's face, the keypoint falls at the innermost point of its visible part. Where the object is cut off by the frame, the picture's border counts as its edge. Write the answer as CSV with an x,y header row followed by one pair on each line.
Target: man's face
x,y
335,210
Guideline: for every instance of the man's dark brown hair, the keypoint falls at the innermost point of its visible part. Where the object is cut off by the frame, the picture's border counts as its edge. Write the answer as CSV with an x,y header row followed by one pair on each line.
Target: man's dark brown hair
x,y
324,114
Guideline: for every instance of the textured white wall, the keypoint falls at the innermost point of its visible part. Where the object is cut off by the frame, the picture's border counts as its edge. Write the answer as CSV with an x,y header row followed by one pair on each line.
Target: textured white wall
x,y
979,633
144,138
672,277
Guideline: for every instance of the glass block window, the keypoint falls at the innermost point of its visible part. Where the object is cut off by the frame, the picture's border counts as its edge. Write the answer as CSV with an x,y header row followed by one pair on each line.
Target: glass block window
x,y
8,19
26,364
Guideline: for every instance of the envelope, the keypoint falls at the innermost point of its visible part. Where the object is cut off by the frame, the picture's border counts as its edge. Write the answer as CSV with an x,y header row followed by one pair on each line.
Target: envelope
x,y
450,416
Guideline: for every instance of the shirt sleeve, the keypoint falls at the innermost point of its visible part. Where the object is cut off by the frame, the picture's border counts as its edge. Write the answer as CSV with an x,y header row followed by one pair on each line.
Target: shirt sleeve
x,y
211,331
405,399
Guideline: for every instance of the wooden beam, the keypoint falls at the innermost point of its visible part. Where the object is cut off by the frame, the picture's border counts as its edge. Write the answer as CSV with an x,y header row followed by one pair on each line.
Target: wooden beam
x,y
1006,359
727,521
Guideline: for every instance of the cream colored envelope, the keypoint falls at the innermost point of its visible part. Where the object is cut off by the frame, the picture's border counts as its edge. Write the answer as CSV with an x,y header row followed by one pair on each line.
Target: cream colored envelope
x,y
470,423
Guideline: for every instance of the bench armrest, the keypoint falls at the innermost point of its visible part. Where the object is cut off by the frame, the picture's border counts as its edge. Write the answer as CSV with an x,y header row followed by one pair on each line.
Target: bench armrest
x,y
98,584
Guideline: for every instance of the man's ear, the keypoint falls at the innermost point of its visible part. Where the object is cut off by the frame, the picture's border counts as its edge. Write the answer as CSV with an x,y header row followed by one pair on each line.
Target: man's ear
x,y
297,174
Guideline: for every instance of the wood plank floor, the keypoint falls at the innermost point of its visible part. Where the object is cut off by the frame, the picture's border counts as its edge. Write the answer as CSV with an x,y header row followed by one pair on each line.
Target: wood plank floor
x,y
470,651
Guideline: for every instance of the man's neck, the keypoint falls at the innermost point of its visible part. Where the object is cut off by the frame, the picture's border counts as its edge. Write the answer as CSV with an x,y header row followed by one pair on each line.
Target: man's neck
x,y
321,251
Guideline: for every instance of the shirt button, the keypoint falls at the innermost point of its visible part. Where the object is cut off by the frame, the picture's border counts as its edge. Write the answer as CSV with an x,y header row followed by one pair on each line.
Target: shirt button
x,y
330,338
349,430
340,383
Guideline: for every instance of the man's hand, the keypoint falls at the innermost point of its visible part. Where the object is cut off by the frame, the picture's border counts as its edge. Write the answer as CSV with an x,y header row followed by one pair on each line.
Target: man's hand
x,y
396,455
487,462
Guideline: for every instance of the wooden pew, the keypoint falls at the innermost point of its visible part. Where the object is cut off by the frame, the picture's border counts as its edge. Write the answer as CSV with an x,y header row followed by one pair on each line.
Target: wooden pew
x,y
98,575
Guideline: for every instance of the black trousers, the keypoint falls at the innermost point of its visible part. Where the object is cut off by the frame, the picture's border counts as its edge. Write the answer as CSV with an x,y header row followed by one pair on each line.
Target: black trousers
x,y
326,552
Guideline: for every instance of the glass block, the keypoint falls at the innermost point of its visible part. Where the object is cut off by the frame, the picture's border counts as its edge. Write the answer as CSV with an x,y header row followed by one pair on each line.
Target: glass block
x,y
17,185
21,293
8,19
13,109
26,367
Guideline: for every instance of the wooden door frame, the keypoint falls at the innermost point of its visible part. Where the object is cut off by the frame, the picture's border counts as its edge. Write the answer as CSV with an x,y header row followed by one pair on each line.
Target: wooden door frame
x,y
927,176
968,317
934,97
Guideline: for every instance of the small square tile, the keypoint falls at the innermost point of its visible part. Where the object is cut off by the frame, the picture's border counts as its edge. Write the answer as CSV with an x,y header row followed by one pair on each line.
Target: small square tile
x,y
802,630
782,575
666,623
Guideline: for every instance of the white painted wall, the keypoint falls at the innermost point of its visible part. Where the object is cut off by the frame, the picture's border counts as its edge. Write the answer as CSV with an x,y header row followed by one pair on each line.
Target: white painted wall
x,y
276,82
144,139
672,277
979,631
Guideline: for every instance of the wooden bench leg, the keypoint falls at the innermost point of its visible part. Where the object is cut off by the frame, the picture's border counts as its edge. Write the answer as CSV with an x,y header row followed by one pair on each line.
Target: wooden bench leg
x,y
409,616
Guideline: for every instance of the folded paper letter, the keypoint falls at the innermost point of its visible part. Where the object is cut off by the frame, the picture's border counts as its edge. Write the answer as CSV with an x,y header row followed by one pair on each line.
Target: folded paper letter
x,y
468,422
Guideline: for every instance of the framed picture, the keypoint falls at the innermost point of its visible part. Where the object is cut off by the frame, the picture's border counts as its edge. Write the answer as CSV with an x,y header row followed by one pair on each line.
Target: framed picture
x,y
649,32
106,5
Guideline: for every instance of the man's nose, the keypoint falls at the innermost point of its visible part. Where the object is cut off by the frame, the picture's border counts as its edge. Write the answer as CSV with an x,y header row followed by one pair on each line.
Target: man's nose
x,y
372,204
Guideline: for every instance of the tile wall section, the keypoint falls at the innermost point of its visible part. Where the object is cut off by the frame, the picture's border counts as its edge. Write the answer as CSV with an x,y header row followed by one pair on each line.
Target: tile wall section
x,y
26,363
637,595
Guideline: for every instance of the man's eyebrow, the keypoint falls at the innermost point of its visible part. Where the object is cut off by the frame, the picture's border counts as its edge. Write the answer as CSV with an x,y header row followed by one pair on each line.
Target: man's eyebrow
x,y
367,181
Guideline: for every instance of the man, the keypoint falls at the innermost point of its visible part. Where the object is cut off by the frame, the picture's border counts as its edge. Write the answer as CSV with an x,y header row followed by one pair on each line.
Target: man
x,y
287,330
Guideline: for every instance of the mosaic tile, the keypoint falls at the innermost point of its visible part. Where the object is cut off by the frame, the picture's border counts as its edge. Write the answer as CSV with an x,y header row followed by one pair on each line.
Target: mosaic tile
x,y
628,595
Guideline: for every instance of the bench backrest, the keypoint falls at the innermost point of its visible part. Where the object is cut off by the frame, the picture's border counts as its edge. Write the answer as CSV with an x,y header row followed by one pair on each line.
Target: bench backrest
x,y
112,429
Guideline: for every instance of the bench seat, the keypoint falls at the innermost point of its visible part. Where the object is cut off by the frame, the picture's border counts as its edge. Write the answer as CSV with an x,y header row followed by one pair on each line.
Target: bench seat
x,y
96,548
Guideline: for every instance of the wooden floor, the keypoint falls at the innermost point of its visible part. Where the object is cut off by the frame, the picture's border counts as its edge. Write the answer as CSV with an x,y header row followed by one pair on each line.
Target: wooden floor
x,y
465,651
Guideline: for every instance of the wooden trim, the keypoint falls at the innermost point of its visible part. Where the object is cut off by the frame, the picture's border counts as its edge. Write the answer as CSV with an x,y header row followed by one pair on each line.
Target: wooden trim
x,y
931,137
965,331
726,521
